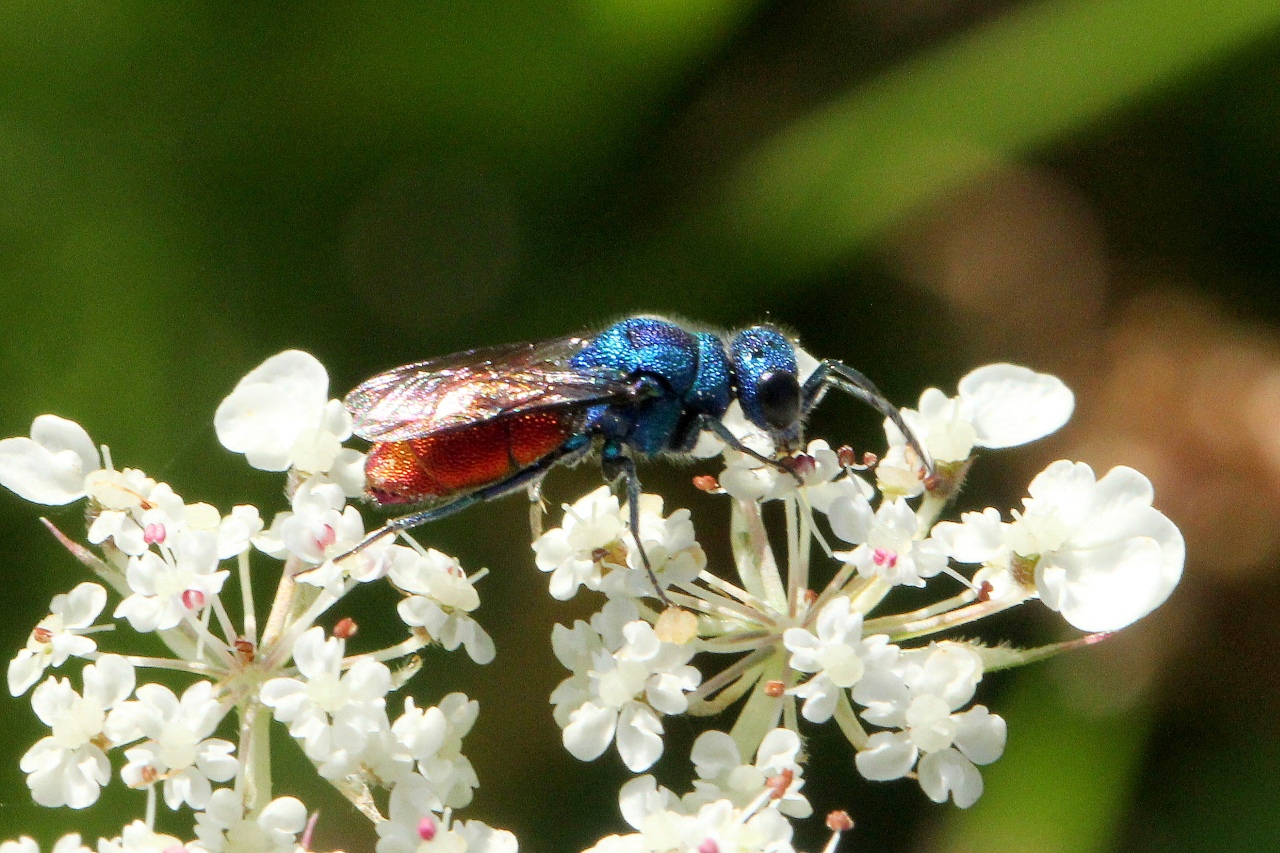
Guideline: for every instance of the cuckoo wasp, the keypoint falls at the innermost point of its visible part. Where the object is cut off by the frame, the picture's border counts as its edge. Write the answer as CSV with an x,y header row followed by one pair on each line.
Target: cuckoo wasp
x,y
453,431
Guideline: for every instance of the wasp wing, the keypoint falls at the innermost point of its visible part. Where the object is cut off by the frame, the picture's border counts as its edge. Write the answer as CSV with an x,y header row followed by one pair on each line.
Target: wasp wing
x,y
469,387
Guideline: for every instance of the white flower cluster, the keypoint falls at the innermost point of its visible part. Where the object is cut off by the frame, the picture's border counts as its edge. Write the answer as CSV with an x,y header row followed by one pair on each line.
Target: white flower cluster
x,y
171,564
624,676
1093,550
733,806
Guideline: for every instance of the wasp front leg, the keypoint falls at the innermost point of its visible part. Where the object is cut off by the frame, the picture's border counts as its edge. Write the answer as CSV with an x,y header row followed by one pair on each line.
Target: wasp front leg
x,y
615,464
722,432
835,374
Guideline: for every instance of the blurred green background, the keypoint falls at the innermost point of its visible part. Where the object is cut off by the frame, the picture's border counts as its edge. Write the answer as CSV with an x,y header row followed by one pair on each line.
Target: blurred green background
x,y
913,186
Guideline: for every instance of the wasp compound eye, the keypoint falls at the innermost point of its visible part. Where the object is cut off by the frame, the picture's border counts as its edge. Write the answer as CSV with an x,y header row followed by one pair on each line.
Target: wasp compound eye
x,y
779,396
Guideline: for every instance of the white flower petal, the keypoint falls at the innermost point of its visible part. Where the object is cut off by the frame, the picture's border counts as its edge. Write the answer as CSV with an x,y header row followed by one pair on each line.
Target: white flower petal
x,y
40,475
820,694
948,773
261,423
778,751
978,537
69,843
980,734
590,731
1010,405
639,737
284,815
805,648
851,518
888,755
271,406
348,472
24,670
80,606
640,797
59,434
109,680
714,753
1105,589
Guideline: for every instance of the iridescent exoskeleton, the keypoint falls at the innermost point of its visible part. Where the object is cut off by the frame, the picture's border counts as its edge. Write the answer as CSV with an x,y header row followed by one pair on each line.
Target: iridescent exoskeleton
x,y
453,431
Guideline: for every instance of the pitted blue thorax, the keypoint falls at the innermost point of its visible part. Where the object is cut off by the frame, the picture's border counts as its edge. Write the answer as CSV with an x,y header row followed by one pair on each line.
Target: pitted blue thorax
x,y
690,375
698,374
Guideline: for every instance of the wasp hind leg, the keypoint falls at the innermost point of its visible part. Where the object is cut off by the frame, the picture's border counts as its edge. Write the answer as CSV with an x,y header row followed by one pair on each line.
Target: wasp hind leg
x,y
528,478
616,464
537,508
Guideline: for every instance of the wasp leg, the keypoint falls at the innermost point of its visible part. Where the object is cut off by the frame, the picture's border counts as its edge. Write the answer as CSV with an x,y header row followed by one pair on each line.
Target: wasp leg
x,y
537,508
615,464
835,374
722,432
520,480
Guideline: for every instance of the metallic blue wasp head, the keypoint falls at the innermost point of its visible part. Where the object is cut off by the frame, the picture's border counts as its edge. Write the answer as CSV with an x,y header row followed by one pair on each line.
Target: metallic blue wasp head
x,y
764,363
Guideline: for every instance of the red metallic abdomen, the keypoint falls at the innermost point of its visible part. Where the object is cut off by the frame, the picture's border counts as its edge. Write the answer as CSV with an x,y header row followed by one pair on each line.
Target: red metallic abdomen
x,y
460,460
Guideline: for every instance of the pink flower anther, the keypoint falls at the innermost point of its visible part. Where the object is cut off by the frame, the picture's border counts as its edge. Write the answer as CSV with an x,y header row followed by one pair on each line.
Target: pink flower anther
x,y
885,558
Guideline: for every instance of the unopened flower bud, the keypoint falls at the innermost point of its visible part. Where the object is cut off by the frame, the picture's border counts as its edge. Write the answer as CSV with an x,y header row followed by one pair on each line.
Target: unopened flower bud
x,y
676,625
706,483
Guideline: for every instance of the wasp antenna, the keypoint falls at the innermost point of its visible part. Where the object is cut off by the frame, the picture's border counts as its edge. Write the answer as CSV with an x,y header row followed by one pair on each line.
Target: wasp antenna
x,y
837,374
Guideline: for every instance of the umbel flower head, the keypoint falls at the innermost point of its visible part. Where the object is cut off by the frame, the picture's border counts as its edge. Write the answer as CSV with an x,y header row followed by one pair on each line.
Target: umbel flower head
x,y
802,654
790,635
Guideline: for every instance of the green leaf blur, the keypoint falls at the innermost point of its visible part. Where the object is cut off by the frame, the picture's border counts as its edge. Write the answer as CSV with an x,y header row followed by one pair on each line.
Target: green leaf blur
x,y
186,189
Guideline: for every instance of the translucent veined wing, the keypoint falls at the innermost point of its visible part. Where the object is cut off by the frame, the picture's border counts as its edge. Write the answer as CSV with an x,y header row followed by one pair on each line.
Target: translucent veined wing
x,y
465,388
